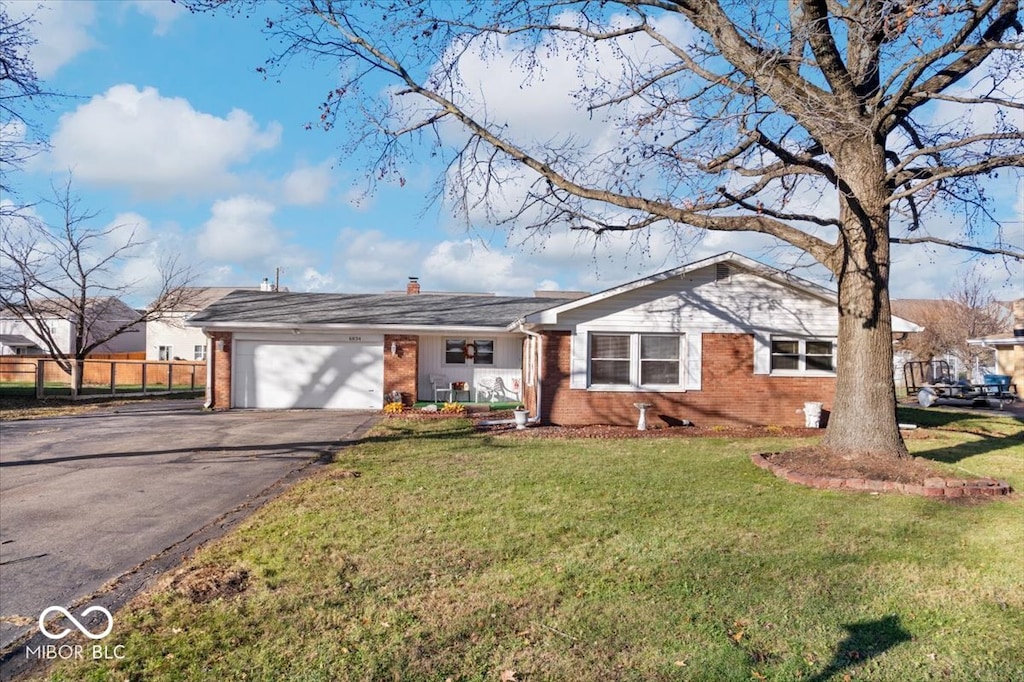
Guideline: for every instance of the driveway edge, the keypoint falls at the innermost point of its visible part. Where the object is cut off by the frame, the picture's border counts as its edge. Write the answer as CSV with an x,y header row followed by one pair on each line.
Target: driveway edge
x,y
122,589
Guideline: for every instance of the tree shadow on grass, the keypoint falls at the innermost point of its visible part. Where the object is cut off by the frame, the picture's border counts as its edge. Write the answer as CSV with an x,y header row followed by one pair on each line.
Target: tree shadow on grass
x,y
865,641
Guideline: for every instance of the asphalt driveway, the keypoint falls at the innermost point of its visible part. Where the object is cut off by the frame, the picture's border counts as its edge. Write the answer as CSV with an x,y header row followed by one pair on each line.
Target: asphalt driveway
x,y
123,494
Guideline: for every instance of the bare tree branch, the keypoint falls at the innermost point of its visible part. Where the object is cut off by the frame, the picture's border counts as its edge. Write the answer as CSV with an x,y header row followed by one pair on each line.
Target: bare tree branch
x,y
69,272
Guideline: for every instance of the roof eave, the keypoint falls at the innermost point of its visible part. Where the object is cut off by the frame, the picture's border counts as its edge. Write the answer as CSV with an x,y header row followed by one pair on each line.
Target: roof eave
x,y
229,326
550,315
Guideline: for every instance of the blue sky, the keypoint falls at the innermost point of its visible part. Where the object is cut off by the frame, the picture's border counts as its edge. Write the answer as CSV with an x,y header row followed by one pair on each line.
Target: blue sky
x,y
169,130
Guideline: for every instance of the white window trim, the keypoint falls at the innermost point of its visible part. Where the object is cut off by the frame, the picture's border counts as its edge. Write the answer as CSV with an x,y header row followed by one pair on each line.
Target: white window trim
x,y
634,385
802,358
159,353
470,361
195,348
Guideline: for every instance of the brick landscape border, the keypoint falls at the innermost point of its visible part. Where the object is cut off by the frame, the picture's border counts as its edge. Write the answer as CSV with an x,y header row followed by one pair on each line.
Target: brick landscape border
x,y
932,487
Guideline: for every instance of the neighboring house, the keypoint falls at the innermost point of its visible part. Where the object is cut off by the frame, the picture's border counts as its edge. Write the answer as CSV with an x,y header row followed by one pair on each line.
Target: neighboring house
x,y
1009,348
105,314
726,340
169,338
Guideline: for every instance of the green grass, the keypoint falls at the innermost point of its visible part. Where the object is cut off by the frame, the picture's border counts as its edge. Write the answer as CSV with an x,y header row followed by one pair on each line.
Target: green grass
x,y
63,389
992,422
462,555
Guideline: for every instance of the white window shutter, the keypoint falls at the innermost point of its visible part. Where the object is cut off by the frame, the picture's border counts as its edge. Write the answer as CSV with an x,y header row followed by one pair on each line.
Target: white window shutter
x,y
693,342
578,360
762,354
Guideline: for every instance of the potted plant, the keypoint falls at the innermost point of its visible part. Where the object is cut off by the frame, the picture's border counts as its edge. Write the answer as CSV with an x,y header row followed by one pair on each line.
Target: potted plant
x,y
520,413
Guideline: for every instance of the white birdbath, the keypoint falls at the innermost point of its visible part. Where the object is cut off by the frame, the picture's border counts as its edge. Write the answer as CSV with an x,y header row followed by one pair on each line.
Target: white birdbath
x,y
643,407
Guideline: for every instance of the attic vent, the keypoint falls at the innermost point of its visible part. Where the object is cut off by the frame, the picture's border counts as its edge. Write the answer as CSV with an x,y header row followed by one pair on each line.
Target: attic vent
x,y
722,272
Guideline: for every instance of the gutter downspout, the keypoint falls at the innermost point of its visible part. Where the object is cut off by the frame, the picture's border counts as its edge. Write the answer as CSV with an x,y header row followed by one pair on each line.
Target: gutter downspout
x,y
537,369
538,373
208,402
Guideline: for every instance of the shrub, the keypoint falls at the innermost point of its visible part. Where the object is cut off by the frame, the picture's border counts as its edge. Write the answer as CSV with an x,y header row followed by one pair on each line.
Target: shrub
x,y
453,408
394,408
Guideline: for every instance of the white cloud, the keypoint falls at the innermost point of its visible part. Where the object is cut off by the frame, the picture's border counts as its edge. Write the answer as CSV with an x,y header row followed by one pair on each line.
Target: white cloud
x,y
156,146
467,266
12,132
374,261
307,185
314,280
140,268
240,230
61,30
164,13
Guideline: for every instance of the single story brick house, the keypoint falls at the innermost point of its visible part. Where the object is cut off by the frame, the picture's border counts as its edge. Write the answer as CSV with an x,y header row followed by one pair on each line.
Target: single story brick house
x,y
725,340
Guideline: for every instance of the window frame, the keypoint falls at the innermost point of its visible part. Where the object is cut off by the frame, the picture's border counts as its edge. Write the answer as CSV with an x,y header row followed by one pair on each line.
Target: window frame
x,y
462,356
160,353
636,363
199,352
477,356
628,359
801,355
463,360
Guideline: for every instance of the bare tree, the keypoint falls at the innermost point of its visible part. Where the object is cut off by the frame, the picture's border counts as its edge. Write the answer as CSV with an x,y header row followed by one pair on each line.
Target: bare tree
x,y
731,116
20,91
71,271
969,311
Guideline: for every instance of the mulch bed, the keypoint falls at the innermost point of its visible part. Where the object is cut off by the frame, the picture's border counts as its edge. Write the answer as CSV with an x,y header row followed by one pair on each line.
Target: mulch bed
x,y
599,431
812,466
821,468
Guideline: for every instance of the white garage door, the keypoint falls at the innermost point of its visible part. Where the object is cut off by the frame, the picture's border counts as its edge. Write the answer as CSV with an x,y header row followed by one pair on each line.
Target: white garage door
x,y
280,375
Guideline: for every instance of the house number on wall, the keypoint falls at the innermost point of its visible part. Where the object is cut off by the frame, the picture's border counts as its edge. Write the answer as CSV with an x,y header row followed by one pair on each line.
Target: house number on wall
x,y
355,338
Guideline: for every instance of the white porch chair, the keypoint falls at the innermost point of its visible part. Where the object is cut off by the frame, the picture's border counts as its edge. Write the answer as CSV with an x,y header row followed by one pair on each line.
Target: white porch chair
x,y
485,387
442,387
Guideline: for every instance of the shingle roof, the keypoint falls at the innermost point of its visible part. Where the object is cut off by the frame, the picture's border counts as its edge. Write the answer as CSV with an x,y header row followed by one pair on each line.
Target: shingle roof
x,y
440,310
197,298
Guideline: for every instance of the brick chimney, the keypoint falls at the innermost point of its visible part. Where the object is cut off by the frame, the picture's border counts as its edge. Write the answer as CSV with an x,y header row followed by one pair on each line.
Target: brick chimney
x,y
413,287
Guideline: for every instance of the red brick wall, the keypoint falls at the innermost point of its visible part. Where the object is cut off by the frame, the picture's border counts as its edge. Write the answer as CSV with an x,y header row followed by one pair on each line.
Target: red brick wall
x,y
221,358
400,370
731,393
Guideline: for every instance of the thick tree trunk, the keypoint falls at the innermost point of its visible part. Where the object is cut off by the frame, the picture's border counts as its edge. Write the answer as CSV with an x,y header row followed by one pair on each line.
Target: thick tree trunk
x,y
863,416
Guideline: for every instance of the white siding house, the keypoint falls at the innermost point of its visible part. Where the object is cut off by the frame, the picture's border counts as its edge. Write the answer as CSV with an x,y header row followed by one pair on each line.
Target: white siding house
x,y
170,338
106,315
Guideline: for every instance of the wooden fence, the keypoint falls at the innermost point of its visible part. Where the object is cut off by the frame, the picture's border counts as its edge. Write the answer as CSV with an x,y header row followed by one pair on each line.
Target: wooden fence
x,y
43,377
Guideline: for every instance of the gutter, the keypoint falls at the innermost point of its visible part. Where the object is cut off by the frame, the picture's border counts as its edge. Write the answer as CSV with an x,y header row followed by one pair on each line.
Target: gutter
x,y
537,379
208,402
365,328
537,368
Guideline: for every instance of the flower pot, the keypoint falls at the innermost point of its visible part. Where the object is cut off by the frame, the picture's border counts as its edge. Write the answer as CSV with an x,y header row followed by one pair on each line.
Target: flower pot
x,y
520,416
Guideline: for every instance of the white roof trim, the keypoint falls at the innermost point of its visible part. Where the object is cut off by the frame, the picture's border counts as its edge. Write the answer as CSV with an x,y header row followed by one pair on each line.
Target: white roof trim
x,y
550,315
1008,340
316,327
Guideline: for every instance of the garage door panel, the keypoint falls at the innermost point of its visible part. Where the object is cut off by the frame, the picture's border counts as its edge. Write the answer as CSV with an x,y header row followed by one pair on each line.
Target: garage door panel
x,y
297,375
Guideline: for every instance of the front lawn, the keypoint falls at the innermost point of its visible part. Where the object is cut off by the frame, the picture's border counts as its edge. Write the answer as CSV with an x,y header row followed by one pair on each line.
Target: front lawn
x,y
467,556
